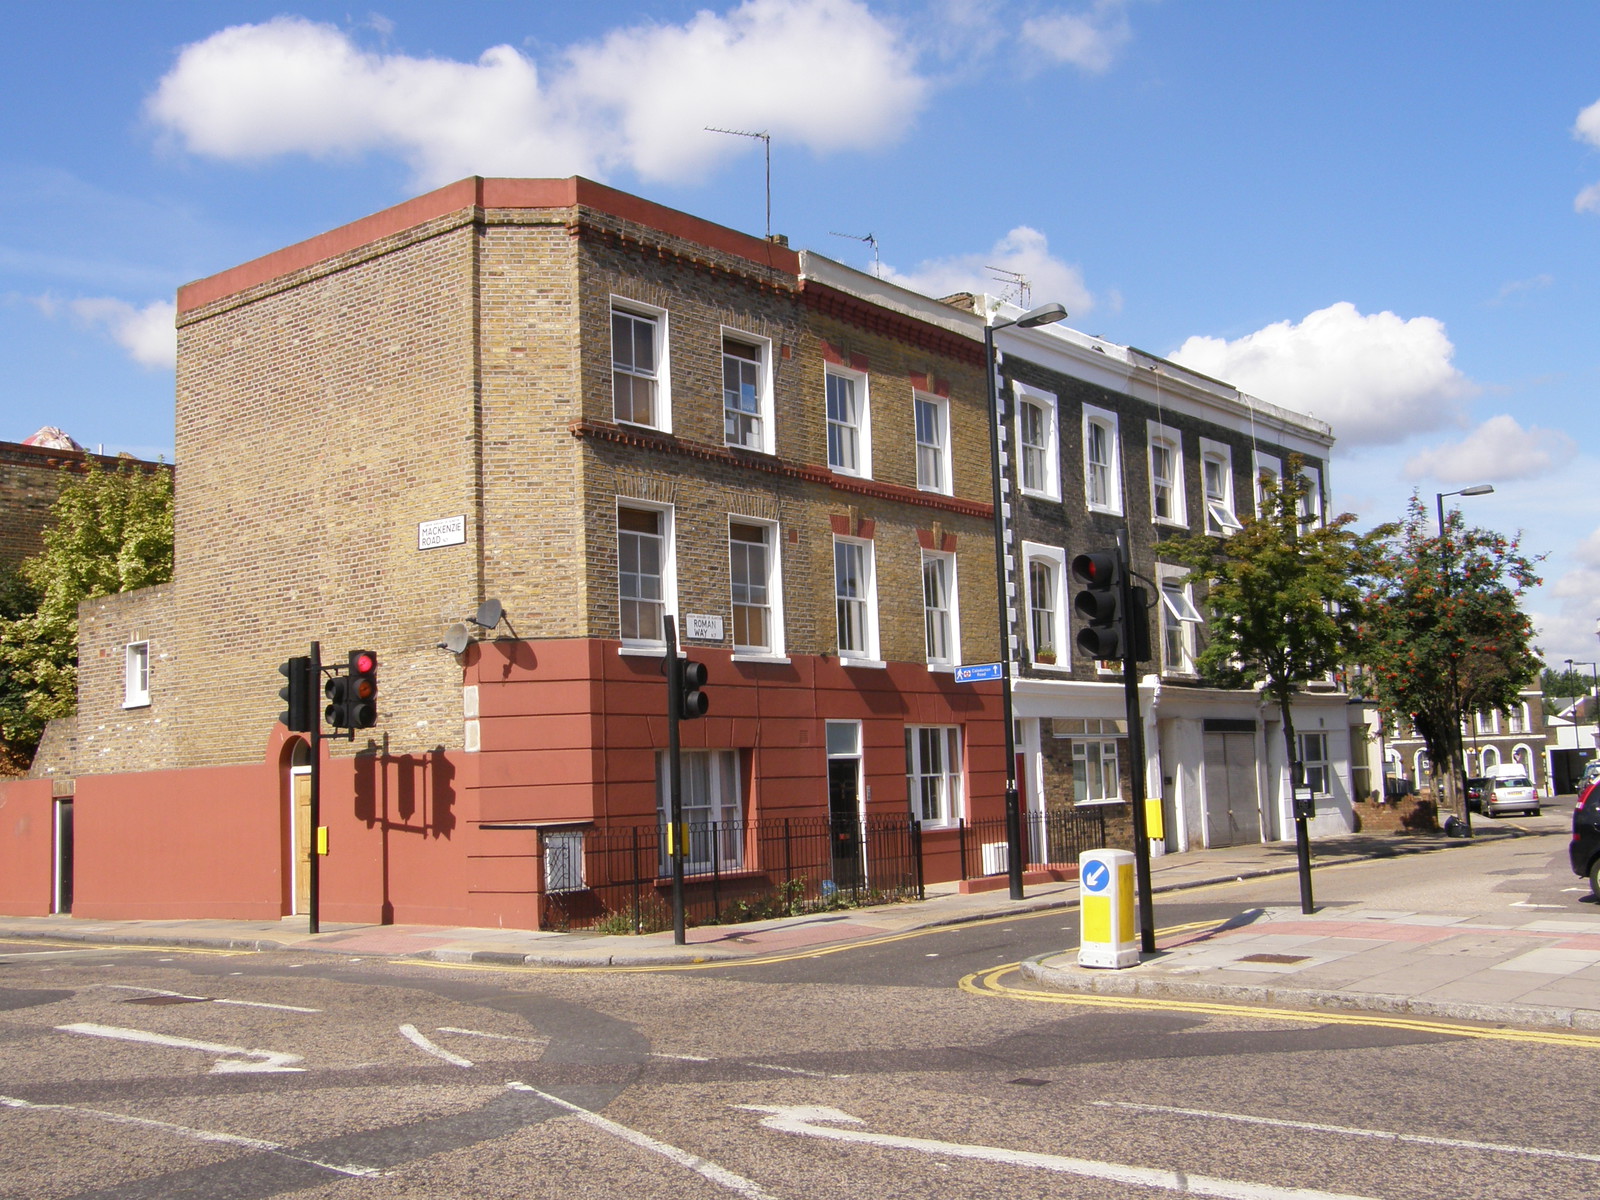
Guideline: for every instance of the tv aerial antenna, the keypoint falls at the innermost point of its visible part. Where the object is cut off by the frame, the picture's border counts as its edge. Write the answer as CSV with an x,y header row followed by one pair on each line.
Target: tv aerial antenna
x,y
877,263
765,138
1016,283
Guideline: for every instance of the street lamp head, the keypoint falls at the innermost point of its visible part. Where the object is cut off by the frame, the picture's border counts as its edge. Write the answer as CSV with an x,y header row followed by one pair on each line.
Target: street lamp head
x,y
1477,489
1045,314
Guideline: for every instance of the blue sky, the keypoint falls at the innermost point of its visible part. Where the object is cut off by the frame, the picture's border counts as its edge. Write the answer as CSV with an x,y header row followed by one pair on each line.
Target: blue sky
x,y
1384,214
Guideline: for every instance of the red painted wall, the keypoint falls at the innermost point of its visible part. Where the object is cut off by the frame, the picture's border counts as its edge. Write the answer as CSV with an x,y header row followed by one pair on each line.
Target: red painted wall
x,y
27,847
197,843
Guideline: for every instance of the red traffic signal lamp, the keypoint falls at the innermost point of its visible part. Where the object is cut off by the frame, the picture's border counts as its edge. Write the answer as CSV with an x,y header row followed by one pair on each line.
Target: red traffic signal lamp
x,y
1099,603
353,696
298,695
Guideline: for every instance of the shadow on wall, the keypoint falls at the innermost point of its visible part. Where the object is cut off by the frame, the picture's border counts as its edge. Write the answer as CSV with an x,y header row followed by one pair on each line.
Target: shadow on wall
x,y
411,793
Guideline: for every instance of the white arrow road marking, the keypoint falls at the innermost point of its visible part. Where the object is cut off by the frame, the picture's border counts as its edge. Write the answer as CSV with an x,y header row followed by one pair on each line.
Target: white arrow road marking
x,y
128,987
416,1038
737,1184
271,1060
1351,1131
202,1135
499,1037
819,1122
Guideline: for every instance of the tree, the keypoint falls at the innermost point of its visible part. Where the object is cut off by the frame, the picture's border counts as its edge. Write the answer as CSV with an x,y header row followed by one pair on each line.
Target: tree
x,y
1443,632
1284,593
110,531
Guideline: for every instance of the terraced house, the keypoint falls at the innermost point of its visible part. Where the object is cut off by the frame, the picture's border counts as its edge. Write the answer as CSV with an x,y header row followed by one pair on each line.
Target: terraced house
x,y
627,426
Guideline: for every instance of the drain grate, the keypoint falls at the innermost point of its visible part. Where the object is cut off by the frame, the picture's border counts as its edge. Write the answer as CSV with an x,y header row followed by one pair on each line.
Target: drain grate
x,y
1281,959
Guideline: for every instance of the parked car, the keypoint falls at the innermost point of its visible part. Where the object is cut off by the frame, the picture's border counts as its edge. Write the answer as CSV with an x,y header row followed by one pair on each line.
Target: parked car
x,y
1510,790
1590,774
1585,848
1476,787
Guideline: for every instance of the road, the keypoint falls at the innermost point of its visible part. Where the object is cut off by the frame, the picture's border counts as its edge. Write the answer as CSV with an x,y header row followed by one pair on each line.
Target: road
x,y
142,1073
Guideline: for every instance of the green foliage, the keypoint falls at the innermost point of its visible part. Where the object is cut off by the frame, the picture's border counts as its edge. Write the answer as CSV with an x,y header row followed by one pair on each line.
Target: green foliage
x,y
1447,601
1283,592
1561,688
110,531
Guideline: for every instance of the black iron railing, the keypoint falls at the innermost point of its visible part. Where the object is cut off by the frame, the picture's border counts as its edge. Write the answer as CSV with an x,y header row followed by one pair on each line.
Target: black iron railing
x,y
1049,839
618,879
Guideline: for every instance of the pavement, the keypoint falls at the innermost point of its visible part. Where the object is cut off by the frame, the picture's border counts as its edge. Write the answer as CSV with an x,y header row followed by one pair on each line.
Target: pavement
x,y
1491,968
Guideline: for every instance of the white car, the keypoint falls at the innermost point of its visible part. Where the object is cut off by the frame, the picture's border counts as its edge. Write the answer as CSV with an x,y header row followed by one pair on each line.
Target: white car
x,y
1510,793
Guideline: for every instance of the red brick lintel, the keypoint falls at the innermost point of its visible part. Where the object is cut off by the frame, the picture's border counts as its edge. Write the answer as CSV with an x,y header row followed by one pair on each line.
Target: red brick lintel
x,y
666,443
477,192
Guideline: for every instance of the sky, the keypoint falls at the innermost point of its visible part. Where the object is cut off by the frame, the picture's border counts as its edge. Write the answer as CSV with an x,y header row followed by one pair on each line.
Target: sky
x,y
1385,215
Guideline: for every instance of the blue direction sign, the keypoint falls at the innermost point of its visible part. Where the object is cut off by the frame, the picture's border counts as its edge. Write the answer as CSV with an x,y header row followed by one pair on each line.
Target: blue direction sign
x,y
978,673
1095,876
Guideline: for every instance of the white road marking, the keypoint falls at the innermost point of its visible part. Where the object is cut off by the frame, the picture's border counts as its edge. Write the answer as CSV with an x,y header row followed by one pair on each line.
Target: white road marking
x,y
200,1135
499,1037
820,1122
1383,1135
19,955
128,987
422,1043
795,1071
271,1060
1529,904
680,1057
721,1176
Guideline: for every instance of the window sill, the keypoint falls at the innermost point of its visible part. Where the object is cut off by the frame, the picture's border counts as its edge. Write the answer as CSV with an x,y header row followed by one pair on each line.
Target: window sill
x,y
1055,668
1098,803
849,474
642,425
935,491
1170,522
943,668
742,656
871,664
626,651
1103,508
144,703
1055,497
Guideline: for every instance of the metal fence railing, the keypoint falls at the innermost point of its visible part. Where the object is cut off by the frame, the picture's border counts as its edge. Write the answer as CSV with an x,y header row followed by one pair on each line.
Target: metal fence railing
x,y
1049,839
618,879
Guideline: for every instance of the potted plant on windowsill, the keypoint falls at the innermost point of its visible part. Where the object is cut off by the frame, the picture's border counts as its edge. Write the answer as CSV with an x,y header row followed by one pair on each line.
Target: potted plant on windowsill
x,y
1045,654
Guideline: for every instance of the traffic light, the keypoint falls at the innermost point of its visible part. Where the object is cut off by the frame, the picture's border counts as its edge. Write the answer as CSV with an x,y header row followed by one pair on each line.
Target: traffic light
x,y
692,702
1099,603
353,696
298,695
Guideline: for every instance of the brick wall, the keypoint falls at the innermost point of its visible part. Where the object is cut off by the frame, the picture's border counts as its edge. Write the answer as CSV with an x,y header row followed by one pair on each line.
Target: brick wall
x,y
110,735
31,478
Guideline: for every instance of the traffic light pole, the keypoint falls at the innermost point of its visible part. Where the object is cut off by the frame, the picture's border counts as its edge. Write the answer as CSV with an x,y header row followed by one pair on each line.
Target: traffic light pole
x,y
313,873
1130,702
675,848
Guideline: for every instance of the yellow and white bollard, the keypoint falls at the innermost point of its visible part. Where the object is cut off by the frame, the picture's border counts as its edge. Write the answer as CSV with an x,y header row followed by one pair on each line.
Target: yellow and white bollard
x,y
1108,934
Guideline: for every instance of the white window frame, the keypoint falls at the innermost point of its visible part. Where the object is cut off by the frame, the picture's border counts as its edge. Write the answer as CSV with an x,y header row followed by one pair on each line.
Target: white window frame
x,y
722,802
1047,449
933,458
1054,559
1171,440
934,775
1311,506
949,616
669,578
1179,615
1263,465
774,589
1100,760
1106,422
1221,511
663,364
761,416
136,675
1313,749
861,427
1517,720
866,654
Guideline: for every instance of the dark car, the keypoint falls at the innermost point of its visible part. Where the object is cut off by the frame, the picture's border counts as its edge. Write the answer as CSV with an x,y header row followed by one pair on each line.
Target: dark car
x,y
1476,787
1585,848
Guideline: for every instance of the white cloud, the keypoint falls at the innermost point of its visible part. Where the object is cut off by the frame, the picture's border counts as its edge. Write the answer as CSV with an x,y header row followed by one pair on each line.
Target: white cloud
x,y
1024,251
1499,450
1588,551
1587,200
148,334
1587,127
1089,40
827,75
1377,379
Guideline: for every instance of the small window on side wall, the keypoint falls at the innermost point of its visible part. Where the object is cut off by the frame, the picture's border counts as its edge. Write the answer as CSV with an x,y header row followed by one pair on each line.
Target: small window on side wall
x,y
136,675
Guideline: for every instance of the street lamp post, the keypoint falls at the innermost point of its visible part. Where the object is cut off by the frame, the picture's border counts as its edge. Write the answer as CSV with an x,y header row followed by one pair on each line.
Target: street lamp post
x,y
1477,489
1045,314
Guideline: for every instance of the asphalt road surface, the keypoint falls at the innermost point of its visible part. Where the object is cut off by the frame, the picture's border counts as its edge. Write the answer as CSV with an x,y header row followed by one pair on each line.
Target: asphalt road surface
x,y
870,1072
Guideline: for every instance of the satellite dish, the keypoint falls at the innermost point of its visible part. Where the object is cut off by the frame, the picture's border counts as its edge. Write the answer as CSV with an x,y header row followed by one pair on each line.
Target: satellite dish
x,y
489,613
456,638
